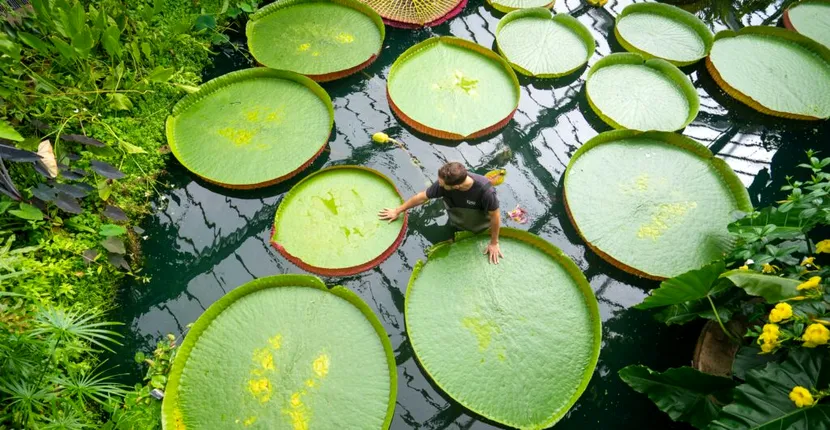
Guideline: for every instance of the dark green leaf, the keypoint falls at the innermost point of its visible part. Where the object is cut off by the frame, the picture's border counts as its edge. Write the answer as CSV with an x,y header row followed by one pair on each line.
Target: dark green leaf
x,y
114,245
34,42
690,286
685,394
161,74
763,401
43,11
76,19
106,170
66,50
690,311
27,212
749,357
808,308
68,203
115,213
86,140
82,41
43,192
118,261
120,101
112,230
205,22
111,42
72,190
772,288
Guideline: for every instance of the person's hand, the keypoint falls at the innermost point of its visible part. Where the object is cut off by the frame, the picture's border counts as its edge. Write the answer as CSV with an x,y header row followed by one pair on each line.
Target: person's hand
x,y
389,214
494,252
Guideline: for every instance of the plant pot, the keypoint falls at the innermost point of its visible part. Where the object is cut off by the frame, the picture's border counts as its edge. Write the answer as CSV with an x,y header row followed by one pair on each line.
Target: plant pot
x,y
715,351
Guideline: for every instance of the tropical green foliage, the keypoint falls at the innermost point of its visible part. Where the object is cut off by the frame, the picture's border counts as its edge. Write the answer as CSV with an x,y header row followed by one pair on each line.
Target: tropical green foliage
x,y
780,291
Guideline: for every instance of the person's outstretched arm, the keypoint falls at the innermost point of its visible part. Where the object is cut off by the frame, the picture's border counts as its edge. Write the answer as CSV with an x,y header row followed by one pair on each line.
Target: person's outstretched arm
x,y
392,214
493,246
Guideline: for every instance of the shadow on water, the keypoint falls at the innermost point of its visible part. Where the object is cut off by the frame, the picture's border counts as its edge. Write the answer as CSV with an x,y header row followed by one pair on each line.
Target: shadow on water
x,y
202,241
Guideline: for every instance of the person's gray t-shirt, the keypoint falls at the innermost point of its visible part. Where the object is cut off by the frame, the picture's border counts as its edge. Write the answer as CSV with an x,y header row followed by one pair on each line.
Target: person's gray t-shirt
x,y
481,196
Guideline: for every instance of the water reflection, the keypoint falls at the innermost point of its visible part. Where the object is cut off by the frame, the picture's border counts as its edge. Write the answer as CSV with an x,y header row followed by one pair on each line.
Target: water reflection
x,y
204,241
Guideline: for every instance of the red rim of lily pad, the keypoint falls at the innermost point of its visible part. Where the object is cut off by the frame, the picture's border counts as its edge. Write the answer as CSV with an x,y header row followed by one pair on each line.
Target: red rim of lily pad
x,y
450,15
345,271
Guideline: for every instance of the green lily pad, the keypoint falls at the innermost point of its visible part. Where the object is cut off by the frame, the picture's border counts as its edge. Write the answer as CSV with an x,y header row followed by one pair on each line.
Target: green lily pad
x,y
772,70
328,224
322,39
629,92
251,128
654,204
283,352
515,342
539,44
658,30
452,88
511,5
810,18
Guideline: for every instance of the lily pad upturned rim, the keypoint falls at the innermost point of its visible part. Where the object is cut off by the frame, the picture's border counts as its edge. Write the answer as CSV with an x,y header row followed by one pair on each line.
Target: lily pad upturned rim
x,y
426,44
664,67
566,263
354,4
666,11
726,173
216,84
169,405
507,9
345,271
786,16
562,18
819,49
437,21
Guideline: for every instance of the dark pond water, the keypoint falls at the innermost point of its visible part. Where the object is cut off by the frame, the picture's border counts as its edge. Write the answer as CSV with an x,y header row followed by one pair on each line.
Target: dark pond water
x,y
203,241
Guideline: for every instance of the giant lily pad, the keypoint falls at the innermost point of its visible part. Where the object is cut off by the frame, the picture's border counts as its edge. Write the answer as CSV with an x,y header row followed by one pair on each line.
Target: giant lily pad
x,y
416,13
511,5
663,31
810,18
654,204
251,128
327,224
515,342
322,39
775,71
452,88
283,352
537,43
629,92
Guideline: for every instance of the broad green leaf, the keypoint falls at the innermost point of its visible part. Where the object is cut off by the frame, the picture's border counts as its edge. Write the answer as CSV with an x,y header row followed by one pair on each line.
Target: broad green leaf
x,y
161,74
692,285
120,101
511,5
27,212
665,204
204,22
663,31
76,19
345,37
130,148
34,42
303,356
104,190
483,331
43,11
416,12
537,43
112,230
749,357
690,311
114,245
810,18
684,393
65,49
773,70
279,122
772,288
82,41
763,402
445,75
8,132
330,211
110,41
629,92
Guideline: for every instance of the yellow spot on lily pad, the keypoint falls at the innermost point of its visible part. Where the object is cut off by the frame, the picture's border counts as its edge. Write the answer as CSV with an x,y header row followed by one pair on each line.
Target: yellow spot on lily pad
x,y
321,365
264,358
482,329
275,341
237,136
298,412
248,421
315,54
344,38
260,388
304,47
666,215
310,383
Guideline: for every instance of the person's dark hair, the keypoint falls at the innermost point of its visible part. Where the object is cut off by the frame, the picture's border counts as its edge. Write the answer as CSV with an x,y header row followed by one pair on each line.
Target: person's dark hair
x,y
452,173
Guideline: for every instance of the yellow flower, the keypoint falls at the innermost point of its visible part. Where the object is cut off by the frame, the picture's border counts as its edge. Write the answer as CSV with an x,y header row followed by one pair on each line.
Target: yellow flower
x,y
769,268
801,397
772,329
769,338
768,347
380,137
823,246
814,335
810,283
744,267
808,261
781,312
